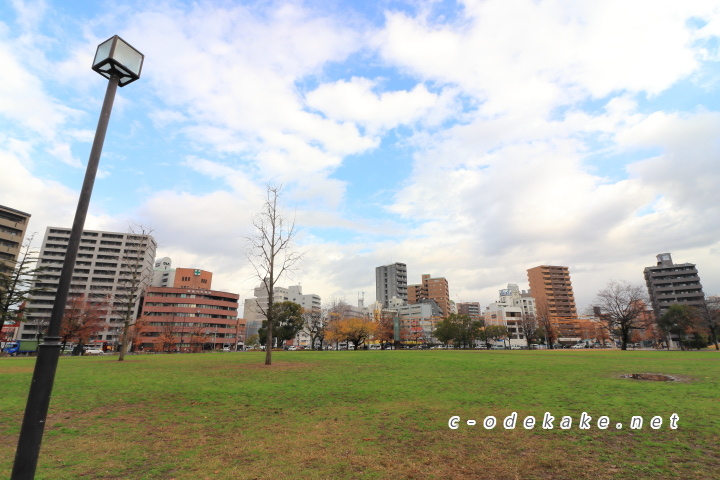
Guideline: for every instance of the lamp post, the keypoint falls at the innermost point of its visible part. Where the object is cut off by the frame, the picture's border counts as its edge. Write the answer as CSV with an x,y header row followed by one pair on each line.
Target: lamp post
x,y
120,64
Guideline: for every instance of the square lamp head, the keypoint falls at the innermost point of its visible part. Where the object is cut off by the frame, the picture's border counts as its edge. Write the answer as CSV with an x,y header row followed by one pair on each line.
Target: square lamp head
x,y
116,57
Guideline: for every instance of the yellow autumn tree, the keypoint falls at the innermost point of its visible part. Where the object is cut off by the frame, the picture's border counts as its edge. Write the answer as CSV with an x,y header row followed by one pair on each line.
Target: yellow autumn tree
x,y
355,330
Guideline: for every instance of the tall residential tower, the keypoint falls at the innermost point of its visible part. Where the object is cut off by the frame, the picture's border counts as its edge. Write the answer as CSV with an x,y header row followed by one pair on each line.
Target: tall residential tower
x,y
391,281
551,287
671,283
105,265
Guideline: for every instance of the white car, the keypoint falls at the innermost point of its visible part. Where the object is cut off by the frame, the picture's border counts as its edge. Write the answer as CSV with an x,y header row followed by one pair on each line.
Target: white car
x,y
94,351
579,345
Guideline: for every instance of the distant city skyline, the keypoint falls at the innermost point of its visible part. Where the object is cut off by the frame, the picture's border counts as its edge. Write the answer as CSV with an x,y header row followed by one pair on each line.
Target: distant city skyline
x,y
471,140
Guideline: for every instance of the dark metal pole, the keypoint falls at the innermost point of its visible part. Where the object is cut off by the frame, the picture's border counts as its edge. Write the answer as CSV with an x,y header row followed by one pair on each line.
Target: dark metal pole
x,y
33,425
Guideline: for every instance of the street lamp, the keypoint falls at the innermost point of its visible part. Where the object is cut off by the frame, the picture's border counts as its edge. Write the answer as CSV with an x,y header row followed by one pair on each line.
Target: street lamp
x,y
121,64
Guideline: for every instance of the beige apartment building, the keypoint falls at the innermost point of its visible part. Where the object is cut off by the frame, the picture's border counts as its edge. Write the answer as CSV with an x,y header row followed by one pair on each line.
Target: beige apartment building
x,y
436,289
550,285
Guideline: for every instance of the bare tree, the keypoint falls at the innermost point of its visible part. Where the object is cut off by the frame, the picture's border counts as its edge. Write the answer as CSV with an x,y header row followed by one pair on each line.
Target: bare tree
x,y
135,276
544,321
269,252
166,341
620,307
17,284
709,319
314,326
137,331
529,327
198,337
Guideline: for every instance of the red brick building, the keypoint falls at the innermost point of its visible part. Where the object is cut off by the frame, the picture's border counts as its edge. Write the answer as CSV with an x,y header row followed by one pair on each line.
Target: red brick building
x,y
188,319
431,289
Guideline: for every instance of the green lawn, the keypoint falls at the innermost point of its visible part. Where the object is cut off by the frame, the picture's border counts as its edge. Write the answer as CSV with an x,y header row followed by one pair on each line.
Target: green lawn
x,y
370,414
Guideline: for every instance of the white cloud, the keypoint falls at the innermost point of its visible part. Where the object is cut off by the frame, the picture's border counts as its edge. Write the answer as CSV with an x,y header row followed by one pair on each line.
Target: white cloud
x,y
509,105
356,101
23,98
525,56
47,201
62,152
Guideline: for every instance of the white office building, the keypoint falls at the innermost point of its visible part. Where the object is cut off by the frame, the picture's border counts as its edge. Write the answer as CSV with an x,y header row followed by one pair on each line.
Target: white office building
x,y
254,307
509,310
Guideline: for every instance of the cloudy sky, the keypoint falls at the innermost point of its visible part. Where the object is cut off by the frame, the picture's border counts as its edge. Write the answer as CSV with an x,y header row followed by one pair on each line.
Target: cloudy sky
x,y
470,140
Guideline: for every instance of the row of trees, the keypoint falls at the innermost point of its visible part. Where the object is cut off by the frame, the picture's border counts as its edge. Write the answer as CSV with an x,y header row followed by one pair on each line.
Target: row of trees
x,y
622,310
334,324
694,326
465,332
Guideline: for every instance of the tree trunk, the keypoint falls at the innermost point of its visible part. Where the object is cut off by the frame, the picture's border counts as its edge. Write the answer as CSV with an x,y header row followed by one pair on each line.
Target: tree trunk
x,y
123,342
268,336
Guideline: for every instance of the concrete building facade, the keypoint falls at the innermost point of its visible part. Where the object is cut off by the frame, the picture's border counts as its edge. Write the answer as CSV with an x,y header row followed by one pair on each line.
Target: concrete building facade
x,y
669,283
254,307
391,282
415,323
13,225
436,289
104,264
509,311
471,309
309,302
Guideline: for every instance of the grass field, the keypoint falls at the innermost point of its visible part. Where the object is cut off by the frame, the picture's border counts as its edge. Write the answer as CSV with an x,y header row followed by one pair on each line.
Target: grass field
x,y
370,414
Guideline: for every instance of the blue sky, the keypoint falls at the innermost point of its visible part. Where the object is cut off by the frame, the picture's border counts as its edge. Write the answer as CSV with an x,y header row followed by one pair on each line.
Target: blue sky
x,y
471,140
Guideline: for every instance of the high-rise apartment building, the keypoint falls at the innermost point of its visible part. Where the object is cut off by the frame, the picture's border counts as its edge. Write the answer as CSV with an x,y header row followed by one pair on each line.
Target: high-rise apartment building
x,y
552,289
436,289
669,283
391,281
105,263
13,224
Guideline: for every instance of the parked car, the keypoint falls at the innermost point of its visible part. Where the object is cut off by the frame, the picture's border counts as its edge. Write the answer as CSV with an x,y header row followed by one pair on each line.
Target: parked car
x,y
94,351
226,349
579,345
